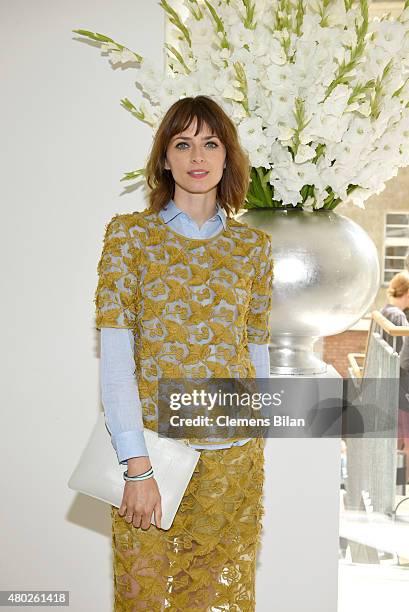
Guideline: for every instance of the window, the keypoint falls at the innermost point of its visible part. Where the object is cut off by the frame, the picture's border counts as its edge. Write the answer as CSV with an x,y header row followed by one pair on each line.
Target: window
x,y
396,244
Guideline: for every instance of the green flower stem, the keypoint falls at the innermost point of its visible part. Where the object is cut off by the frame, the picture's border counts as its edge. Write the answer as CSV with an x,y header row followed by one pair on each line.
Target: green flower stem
x,y
139,114
249,22
176,20
405,6
376,99
398,91
360,90
105,39
179,57
355,54
194,9
299,115
241,78
219,25
283,23
129,176
323,13
299,17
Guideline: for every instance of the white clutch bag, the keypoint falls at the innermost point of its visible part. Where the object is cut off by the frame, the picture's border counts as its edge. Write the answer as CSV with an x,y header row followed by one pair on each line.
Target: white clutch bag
x,y
99,474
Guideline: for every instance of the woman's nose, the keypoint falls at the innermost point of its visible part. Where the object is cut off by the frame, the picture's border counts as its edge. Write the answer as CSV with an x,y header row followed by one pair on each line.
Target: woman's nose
x,y
197,156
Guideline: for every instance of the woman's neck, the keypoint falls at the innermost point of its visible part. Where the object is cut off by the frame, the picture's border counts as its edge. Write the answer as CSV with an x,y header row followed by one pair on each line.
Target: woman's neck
x,y
200,210
400,302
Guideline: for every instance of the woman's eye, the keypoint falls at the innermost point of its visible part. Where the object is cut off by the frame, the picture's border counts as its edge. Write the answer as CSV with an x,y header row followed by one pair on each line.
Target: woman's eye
x,y
213,145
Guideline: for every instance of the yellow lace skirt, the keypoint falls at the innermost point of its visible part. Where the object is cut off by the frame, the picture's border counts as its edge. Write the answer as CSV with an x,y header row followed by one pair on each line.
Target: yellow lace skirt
x,y
206,562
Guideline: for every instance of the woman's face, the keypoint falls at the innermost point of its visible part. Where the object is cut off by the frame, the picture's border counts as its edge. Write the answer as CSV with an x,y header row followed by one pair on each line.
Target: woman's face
x,y
196,162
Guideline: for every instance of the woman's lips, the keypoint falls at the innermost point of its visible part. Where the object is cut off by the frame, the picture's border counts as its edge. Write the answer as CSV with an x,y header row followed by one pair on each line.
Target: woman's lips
x,y
199,175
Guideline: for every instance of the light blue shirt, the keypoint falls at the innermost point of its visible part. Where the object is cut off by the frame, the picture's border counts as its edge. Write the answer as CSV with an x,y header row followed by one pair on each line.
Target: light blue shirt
x,y
119,387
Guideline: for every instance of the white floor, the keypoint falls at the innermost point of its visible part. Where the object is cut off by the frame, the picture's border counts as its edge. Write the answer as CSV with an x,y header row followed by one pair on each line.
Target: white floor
x,y
372,588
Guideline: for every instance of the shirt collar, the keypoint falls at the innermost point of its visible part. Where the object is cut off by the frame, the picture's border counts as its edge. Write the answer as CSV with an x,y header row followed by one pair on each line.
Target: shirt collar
x,y
170,211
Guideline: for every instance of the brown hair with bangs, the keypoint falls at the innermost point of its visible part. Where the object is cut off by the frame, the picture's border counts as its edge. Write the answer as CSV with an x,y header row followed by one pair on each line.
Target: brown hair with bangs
x,y
233,186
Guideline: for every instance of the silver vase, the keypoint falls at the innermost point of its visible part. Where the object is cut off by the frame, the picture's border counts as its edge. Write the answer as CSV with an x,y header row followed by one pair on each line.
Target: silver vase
x,y
326,275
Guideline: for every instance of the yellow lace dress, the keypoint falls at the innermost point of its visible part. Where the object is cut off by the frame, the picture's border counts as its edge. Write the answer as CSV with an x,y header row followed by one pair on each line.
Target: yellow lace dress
x,y
193,305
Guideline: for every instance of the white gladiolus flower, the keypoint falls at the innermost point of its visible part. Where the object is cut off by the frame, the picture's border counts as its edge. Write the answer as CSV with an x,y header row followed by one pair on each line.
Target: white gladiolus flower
x,y
306,104
278,134
281,79
296,175
238,111
389,35
337,103
171,89
376,61
254,140
309,204
337,15
326,127
150,78
123,56
310,25
359,195
304,153
232,93
107,47
201,32
240,36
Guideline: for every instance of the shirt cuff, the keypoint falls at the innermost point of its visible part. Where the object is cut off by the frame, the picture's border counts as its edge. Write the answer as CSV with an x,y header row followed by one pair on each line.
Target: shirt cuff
x,y
129,444
260,356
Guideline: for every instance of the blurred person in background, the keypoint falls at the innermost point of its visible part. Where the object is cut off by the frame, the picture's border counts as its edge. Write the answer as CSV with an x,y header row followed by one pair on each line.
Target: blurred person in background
x,y
398,302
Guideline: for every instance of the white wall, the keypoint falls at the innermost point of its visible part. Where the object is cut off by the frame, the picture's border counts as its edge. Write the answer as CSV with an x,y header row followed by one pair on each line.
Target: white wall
x,y
66,142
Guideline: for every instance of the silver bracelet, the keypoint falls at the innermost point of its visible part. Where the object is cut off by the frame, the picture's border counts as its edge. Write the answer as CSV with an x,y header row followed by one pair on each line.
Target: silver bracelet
x,y
143,476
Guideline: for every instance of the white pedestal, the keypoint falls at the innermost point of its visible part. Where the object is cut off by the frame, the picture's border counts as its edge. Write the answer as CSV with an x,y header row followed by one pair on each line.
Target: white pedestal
x,y
297,566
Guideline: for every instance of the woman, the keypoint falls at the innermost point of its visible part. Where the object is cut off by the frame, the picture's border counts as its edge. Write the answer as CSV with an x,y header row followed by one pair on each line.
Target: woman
x,y
184,290
398,301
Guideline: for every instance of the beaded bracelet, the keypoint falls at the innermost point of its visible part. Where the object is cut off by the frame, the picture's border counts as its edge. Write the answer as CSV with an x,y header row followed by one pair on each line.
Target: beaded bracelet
x,y
143,476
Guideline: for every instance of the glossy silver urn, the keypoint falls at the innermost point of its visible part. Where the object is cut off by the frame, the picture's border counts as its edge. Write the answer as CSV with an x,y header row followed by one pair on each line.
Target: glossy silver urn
x,y
326,275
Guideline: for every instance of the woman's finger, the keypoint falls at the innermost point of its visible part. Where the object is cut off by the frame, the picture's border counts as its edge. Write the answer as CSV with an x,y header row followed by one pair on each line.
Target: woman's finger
x,y
158,513
137,517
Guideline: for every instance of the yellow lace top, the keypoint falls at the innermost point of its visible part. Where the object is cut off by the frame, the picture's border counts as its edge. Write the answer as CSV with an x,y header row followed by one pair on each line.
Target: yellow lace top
x,y
193,304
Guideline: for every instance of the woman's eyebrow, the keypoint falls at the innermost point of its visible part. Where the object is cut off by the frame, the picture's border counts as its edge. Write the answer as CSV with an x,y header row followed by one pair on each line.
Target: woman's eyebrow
x,y
189,138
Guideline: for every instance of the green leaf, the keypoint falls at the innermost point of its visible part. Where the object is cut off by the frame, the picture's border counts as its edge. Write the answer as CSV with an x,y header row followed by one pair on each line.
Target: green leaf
x,y
94,36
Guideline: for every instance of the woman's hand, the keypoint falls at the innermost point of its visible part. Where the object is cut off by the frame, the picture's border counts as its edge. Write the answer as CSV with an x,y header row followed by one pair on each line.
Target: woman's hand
x,y
142,497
